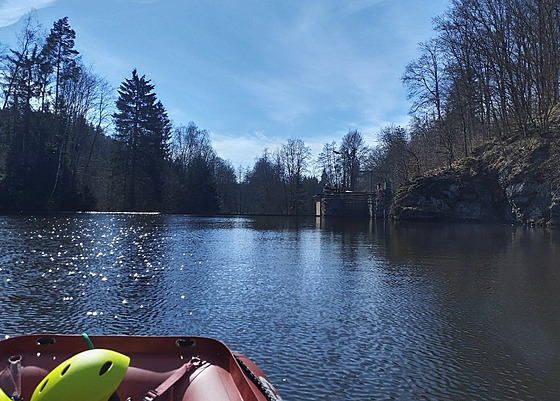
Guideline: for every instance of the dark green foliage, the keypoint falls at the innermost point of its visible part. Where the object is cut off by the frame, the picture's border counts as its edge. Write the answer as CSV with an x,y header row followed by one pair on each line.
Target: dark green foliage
x,y
201,196
59,58
226,186
26,182
40,147
264,187
55,155
143,131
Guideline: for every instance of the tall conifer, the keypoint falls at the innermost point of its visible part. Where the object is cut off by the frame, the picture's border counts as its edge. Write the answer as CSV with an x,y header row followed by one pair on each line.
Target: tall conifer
x,y
143,129
60,58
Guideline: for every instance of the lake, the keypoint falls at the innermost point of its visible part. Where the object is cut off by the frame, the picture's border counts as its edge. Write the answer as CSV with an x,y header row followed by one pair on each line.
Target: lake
x,y
330,309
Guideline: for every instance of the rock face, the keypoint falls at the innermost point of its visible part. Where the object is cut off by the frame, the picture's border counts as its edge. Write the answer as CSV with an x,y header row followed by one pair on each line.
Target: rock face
x,y
517,181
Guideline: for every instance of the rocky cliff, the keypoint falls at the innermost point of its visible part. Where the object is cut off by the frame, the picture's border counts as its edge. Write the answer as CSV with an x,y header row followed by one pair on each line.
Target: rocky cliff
x,y
513,181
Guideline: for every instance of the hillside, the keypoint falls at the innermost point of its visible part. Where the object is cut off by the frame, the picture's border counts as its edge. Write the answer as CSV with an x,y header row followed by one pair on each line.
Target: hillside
x,y
513,181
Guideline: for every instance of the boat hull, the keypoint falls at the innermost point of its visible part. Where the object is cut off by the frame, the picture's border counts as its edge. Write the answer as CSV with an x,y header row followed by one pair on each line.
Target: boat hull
x,y
220,375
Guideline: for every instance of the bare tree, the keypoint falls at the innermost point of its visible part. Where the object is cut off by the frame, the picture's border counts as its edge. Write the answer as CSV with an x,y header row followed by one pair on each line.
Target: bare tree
x,y
493,71
352,152
19,66
295,157
394,160
329,163
190,142
424,78
511,49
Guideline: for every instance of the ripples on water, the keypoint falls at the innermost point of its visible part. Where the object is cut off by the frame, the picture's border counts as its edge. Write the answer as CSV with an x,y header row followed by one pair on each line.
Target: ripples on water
x,y
330,310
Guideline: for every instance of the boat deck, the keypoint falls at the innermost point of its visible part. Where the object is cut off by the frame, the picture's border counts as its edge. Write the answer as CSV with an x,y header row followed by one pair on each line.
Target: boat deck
x,y
152,361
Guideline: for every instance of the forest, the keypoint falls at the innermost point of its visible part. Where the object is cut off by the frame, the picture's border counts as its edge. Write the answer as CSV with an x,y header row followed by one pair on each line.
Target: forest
x,y
69,141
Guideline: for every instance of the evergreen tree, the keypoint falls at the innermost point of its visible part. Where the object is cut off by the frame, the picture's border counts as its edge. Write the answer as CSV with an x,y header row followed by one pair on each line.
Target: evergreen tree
x,y
143,130
60,58
60,67
226,185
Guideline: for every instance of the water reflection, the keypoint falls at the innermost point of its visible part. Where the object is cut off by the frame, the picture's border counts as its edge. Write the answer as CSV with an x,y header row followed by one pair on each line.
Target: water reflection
x,y
496,286
336,309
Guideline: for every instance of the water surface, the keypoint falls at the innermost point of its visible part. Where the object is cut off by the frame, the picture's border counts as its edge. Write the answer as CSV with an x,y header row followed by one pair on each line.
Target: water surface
x,y
330,309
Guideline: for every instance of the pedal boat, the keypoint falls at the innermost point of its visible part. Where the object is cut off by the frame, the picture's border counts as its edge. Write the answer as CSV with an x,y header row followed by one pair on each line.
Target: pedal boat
x,y
163,368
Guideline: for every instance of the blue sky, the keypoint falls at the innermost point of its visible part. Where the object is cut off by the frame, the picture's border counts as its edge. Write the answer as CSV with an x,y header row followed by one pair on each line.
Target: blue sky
x,y
253,73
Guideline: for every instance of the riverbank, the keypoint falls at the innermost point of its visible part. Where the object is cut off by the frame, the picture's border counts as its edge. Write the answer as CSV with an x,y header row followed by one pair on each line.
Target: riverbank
x,y
517,180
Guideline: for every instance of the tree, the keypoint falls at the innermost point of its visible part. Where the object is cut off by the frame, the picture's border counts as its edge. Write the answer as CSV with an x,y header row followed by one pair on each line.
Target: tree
x,y
201,196
19,69
143,130
27,162
423,78
492,72
203,178
399,158
18,88
295,158
264,186
509,52
36,142
226,185
60,58
190,142
330,165
352,152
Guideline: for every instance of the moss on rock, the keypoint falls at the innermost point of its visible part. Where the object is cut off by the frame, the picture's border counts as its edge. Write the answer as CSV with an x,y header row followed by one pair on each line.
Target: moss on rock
x,y
518,180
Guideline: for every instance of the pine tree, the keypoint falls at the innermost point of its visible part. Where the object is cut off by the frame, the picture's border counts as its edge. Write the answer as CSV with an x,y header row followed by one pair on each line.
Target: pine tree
x,y
60,58
143,130
59,62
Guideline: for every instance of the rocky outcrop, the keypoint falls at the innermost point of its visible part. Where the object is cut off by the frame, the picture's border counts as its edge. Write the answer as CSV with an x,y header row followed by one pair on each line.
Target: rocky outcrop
x,y
515,181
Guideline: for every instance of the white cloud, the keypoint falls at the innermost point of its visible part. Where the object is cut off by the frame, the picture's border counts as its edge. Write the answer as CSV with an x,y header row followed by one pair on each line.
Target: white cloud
x,y
12,10
284,99
327,60
257,72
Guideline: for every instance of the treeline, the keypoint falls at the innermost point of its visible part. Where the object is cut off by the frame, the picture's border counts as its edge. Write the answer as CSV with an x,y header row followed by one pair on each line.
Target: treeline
x,y
55,149
492,72
68,141
52,116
